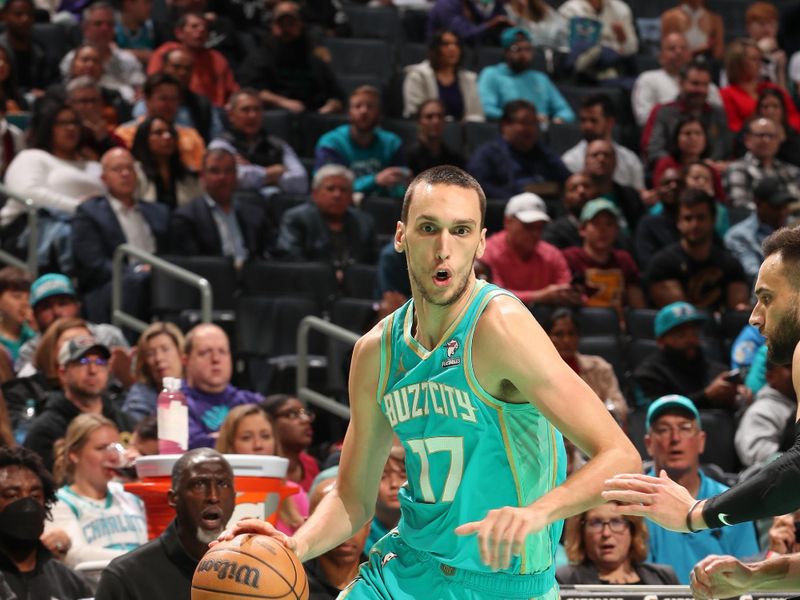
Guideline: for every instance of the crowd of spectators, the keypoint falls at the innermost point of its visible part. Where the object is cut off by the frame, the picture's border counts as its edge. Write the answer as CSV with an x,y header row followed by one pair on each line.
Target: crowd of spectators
x,y
630,180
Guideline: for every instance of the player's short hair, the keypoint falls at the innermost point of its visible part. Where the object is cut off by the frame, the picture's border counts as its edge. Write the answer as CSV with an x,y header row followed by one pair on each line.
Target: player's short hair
x,y
786,243
444,175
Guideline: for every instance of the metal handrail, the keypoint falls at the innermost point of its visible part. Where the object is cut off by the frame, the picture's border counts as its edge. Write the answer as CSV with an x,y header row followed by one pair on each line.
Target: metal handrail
x,y
303,391
120,317
32,264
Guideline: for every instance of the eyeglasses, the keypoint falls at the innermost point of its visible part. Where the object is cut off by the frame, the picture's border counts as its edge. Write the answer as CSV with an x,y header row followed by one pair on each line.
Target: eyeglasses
x,y
764,135
96,361
684,430
616,524
295,413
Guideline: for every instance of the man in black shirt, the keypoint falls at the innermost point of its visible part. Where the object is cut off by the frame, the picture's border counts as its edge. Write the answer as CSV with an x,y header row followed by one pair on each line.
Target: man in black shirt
x,y
655,232
563,232
430,150
203,497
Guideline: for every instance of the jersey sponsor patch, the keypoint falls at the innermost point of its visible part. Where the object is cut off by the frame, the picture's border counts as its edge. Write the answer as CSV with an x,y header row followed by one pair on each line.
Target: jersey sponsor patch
x,y
451,361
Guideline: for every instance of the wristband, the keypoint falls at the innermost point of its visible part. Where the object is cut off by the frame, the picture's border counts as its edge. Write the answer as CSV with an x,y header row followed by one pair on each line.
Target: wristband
x,y
689,517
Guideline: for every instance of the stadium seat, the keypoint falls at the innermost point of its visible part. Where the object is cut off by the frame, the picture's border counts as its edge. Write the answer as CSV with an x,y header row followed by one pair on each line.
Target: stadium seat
x,y
57,39
171,296
354,314
384,211
597,321
495,214
381,22
731,324
607,347
312,126
407,130
639,323
361,57
279,123
360,281
477,133
280,203
411,53
315,281
414,23
563,136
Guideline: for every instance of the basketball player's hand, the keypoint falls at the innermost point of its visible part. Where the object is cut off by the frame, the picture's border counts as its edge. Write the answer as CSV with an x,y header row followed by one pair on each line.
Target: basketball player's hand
x,y
658,498
720,577
257,527
502,533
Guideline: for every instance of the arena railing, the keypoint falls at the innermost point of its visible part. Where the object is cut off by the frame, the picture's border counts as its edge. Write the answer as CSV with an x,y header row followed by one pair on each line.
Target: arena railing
x,y
32,262
121,318
303,391
650,592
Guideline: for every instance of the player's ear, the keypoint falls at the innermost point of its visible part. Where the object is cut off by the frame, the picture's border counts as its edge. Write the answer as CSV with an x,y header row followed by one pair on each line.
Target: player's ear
x,y
481,244
400,237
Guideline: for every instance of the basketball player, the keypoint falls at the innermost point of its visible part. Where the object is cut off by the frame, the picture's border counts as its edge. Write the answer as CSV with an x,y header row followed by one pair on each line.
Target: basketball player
x,y
477,394
774,490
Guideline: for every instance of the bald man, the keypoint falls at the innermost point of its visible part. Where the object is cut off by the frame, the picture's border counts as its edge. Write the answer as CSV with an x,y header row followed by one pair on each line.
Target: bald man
x,y
101,224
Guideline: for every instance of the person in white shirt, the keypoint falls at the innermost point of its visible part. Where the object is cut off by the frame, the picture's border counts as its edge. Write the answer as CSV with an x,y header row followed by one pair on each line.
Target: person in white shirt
x,y
618,32
663,85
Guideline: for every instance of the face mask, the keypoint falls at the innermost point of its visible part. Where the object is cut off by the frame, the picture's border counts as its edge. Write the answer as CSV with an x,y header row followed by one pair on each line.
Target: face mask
x,y
23,520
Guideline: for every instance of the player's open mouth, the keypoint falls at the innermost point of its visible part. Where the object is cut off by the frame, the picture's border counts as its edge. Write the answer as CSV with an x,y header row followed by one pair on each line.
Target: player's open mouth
x,y
211,518
441,277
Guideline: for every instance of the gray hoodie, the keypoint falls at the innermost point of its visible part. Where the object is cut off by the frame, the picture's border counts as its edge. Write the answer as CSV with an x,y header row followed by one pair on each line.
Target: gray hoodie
x,y
759,433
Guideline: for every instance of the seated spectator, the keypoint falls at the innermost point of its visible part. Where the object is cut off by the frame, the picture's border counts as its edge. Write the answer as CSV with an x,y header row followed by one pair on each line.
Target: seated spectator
x,y
195,110
288,73
600,165
134,30
27,568
609,276
772,105
761,25
704,29
159,354
15,310
762,138
264,162
695,83
105,222
430,149
696,269
660,86
34,71
12,140
207,386
211,76
761,433
596,371
609,56
374,155
13,100
54,174
517,158
163,177
515,79
216,223
544,24
331,572
524,264
675,440
660,228
144,441
473,22
743,240
294,429
100,519
162,95
203,497
330,228
52,297
680,366
387,507
689,144
83,372
702,175
743,60
607,548
98,120
121,70
597,121
563,232
441,77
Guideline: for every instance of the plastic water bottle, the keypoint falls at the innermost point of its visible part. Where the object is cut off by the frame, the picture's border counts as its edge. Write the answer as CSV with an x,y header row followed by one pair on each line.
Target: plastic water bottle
x,y
25,421
172,416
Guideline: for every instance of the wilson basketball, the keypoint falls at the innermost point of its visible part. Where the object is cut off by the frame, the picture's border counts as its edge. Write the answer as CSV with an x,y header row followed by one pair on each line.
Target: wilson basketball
x,y
250,566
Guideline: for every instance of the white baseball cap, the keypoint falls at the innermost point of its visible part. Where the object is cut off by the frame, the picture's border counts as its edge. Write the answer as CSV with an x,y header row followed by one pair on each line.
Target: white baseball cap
x,y
527,207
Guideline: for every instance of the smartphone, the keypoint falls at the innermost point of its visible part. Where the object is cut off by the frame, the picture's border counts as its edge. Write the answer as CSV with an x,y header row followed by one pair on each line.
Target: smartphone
x,y
734,376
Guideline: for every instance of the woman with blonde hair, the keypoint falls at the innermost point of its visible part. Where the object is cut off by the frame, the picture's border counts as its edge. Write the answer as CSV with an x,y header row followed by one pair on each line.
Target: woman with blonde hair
x,y
604,547
100,519
159,353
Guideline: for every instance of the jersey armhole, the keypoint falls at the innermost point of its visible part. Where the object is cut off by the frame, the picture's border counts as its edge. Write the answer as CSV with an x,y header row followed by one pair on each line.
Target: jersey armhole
x,y
386,357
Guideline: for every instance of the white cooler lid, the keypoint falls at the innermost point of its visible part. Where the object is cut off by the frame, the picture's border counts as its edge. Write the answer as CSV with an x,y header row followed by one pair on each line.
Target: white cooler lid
x,y
244,465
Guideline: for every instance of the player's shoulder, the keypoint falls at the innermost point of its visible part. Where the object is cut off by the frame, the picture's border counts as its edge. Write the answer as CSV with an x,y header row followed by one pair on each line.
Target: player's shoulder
x,y
503,313
367,351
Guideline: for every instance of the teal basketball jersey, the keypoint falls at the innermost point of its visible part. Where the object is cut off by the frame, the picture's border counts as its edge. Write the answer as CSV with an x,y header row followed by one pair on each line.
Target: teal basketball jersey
x,y
466,451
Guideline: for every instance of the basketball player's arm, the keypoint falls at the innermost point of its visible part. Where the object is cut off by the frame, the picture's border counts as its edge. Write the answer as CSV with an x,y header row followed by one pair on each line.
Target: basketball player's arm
x,y
727,576
511,352
770,492
351,503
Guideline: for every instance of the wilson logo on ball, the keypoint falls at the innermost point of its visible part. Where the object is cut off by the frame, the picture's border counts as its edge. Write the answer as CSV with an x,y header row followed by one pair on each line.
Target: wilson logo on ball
x,y
226,569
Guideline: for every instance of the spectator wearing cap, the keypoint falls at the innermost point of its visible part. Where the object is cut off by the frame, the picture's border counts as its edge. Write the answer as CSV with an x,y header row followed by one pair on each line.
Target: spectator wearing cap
x,y
83,372
609,276
696,269
744,239
516,159
521,262
15,285
516,79
675,440
680,365
54,297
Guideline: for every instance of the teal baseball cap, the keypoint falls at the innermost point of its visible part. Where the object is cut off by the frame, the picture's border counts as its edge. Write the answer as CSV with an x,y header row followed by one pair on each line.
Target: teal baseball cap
x,y
671,402
675,314
51,284
594,207
510,35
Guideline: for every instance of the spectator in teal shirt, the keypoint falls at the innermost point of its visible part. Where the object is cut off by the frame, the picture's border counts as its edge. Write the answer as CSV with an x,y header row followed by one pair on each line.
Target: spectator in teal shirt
x,y
15,309
374,155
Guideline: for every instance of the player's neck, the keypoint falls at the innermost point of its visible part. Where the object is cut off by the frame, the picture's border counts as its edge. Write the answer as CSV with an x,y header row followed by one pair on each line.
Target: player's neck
x,y
431,321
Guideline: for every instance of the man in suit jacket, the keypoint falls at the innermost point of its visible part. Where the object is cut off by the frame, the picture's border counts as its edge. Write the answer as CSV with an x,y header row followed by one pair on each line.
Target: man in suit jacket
x,y
103,223
216,224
